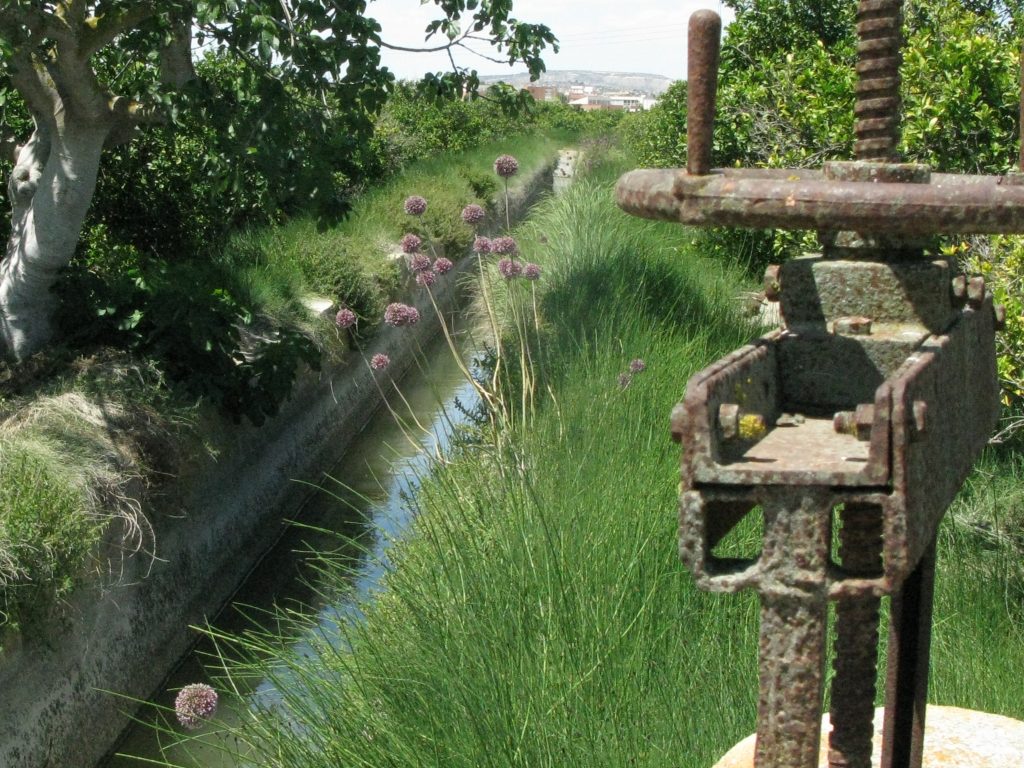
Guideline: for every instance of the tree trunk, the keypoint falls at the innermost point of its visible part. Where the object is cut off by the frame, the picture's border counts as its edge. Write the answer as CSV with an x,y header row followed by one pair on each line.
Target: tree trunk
x,y
51,188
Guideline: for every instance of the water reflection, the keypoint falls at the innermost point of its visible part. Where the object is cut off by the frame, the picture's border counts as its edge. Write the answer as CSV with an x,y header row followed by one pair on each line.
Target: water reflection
x,y
366,499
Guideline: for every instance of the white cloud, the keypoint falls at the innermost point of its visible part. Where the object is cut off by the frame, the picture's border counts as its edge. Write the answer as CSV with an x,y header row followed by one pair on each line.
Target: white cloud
x,y
646,36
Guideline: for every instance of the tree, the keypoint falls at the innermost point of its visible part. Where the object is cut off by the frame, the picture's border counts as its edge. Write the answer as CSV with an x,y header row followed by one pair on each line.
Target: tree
x,y
92,73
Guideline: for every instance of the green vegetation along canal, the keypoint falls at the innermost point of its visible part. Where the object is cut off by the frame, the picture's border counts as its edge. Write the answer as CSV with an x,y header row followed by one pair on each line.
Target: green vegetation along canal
x,y
366,502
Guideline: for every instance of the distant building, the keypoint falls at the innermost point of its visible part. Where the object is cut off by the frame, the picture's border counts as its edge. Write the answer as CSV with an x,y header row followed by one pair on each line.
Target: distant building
x,y
543,92
578,90
628,102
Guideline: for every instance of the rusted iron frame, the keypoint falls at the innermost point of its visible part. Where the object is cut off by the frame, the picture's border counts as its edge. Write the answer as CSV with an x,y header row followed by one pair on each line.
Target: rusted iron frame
x,y
948,204
792,586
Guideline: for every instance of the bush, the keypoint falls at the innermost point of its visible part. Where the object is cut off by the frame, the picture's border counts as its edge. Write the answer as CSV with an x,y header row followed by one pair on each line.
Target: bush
x,y
178,316
657,137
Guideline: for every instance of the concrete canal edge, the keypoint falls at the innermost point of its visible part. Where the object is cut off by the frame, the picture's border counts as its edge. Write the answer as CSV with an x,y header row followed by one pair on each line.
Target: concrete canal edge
x,y
211,527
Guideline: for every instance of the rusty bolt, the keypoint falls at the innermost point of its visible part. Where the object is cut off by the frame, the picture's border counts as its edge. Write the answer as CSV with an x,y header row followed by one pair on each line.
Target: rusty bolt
x,y
854,325
729,420
857,423
999,314
976,291
920,417
959,291
678,419
772,285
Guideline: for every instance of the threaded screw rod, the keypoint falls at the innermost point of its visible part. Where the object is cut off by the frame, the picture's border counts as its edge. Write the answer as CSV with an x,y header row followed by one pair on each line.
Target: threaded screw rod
x,y
879,39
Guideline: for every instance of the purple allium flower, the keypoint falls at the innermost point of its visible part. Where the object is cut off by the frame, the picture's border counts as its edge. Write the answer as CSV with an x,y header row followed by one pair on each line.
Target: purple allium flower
x,y
473,214
637,366
509,268
380,361
482,244
345,318
504,245
505,166
531,271
625,380
411,243
397,314
415,205
443,265
426,278
194,704
419,262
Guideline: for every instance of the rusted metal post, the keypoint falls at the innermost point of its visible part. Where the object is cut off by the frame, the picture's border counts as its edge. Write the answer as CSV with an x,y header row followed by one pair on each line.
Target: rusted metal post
x,y
794,614
907,676
701,88
870,403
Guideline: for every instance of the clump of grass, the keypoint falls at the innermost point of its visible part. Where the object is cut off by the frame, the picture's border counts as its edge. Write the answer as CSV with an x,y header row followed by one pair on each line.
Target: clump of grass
x,y
46,536
70,452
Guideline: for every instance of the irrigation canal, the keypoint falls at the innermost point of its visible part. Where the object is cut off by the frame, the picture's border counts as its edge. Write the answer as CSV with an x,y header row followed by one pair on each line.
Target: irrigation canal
x,y
365,500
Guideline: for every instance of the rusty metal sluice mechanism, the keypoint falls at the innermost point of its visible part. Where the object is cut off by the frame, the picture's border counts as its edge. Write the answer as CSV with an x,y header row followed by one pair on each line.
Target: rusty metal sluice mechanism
x,y
866,408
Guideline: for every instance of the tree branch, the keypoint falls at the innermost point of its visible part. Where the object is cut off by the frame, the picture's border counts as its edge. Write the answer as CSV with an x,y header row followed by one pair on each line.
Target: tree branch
x,y
101,30
446,47
16,22
71,11
34,86
176,57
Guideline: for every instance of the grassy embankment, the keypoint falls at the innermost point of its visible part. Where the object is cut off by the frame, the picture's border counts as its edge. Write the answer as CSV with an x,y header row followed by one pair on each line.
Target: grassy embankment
x,y
537,615
77,427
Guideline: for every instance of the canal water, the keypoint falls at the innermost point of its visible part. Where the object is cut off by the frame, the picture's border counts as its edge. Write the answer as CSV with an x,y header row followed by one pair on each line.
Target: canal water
x,y
363,505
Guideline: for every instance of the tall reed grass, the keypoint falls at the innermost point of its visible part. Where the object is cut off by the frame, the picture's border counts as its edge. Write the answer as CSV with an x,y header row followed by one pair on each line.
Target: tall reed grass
x,y
537,614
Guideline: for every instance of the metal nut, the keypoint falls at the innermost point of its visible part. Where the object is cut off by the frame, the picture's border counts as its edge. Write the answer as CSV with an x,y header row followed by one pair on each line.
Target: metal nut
x,y
976,291
853,325
729,420
772,284
857,423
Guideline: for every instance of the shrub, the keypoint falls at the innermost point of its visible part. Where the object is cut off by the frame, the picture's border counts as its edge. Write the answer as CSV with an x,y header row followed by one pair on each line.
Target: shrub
x,y
177,315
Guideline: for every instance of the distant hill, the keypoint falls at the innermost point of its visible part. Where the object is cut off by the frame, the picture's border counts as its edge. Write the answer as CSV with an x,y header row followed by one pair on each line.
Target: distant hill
x,y
606,81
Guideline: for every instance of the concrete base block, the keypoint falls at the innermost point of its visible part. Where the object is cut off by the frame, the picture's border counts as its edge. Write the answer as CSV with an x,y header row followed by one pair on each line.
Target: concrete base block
x,y
954,738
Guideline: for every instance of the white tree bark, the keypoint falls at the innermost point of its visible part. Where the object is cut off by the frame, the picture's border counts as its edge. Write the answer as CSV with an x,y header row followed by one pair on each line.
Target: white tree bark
x,y
51,187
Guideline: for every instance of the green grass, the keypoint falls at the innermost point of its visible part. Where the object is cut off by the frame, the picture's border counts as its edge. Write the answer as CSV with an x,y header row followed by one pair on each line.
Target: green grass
x,y
275,267
66,467
538,615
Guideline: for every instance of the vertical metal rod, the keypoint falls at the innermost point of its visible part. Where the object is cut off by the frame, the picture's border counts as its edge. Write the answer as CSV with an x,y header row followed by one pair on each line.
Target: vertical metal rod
x,y
879,39
906,694
794,617
792,681
704,48
856,658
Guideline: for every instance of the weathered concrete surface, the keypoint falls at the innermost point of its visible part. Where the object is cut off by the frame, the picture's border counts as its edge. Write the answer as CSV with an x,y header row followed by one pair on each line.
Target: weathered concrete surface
x,y
953,738
211,525
565,171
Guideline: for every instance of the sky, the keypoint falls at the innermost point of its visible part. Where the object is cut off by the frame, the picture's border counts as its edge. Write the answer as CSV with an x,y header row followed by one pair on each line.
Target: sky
x,y
646,36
